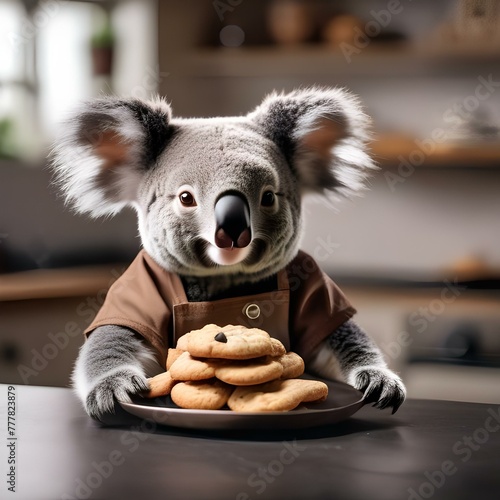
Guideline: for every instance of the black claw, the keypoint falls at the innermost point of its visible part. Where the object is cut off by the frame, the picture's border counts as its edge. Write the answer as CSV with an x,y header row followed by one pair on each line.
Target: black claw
x,y
380,390
102,400
399,401
139,384
373,393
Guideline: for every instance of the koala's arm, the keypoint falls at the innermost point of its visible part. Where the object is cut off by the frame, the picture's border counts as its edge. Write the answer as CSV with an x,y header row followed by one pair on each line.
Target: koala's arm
x,y
350,355
112,365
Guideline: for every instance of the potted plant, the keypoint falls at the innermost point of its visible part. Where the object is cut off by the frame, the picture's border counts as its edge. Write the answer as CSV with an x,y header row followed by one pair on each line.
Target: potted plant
x,y
102,43
7,147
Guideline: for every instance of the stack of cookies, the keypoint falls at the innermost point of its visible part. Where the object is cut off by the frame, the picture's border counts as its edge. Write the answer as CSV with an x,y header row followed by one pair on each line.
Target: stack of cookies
x,y
243,368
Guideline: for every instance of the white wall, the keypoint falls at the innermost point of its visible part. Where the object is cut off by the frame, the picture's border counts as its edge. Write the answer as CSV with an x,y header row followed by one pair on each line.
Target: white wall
x,y
434,218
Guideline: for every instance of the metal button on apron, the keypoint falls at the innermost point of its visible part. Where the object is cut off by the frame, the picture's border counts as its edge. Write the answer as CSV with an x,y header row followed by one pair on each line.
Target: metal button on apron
x,y
252,311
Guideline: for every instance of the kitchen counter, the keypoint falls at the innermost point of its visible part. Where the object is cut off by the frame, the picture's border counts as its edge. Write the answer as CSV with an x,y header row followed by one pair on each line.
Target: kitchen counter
x,y
429,449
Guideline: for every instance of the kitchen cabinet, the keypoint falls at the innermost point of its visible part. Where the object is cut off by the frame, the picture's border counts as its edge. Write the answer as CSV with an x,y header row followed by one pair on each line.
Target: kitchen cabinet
x,y
428,218
443,338
424,73
43,314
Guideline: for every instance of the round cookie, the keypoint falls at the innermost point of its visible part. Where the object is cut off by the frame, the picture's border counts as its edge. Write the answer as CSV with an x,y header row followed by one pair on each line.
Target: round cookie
x,y
202,395
172,355
278,395
249,372
293,365
185,367
278,347
160,385
235,372
228,342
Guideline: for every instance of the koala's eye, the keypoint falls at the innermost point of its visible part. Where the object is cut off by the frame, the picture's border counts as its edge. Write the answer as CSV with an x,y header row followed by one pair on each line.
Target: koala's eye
x,y
268,199
187,199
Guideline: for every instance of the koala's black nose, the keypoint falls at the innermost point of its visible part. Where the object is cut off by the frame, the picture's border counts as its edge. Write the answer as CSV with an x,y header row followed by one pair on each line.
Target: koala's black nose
x,y
232,217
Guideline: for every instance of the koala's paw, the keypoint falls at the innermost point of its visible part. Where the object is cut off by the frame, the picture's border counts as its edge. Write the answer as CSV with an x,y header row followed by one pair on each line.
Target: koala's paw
x,y
379,385
117,386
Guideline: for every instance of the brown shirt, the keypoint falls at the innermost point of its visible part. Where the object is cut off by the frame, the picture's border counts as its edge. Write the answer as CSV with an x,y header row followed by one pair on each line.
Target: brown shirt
x,y
305,308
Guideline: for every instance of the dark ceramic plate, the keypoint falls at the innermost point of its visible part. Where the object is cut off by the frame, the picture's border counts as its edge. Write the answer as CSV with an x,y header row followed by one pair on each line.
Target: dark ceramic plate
x,y
342,402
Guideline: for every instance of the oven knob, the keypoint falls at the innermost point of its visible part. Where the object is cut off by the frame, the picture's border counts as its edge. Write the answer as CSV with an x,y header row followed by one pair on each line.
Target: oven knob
x,y
462,342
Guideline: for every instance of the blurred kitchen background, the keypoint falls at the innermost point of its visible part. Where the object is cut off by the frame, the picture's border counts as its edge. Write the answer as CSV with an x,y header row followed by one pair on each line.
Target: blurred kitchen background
x,y
418,254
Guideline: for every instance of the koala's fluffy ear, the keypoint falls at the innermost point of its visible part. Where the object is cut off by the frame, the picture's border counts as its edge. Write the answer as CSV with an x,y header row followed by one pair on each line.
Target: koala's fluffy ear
x,y
323,135
105,149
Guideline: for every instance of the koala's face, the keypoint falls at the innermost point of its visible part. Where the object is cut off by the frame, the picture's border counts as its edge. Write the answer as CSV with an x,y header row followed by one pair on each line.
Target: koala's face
x,y
220,195
220,199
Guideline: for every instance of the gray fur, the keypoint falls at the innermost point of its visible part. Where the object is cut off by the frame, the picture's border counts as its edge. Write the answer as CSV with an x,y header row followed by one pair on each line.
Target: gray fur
x,y
349,354
113,364
116,152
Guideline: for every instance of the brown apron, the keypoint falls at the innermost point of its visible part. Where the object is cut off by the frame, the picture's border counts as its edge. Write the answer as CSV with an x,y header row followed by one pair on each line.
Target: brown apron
x,y
267,311
305,308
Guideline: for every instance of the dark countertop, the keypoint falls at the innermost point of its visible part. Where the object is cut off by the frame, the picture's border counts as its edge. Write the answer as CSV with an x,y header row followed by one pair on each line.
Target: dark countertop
x,y
429,449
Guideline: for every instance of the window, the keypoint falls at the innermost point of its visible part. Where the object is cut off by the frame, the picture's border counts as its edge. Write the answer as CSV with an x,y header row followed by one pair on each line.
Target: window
x,y
48,57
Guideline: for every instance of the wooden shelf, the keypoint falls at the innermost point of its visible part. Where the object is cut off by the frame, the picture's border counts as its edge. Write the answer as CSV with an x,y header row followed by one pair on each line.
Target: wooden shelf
x,y
377,59
390,149
56,283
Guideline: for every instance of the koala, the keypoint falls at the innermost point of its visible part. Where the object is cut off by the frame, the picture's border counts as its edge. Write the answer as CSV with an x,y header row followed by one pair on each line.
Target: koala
x,y
218,203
